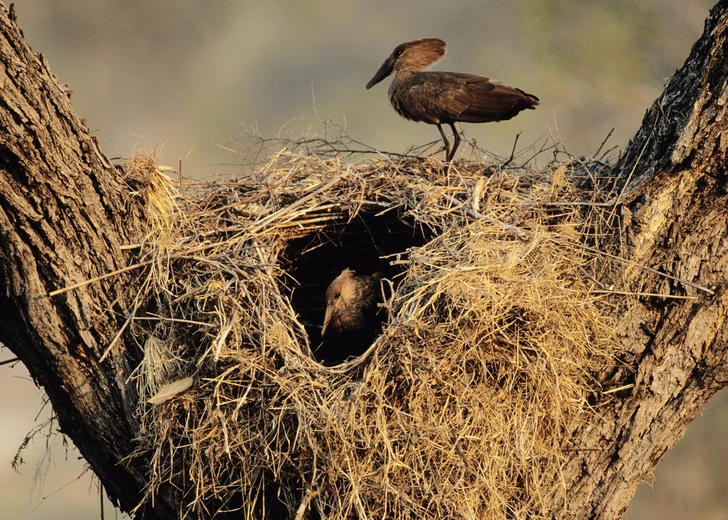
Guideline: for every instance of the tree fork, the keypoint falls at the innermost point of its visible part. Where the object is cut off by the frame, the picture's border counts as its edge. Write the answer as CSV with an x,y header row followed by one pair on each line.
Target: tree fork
x,y
65,216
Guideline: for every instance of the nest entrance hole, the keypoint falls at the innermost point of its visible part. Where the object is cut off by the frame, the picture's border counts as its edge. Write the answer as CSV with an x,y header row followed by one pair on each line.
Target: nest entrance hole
x,y
367,242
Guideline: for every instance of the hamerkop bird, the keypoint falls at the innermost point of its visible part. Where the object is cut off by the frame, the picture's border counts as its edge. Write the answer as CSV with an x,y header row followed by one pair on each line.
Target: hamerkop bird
x,y
445,97
351,305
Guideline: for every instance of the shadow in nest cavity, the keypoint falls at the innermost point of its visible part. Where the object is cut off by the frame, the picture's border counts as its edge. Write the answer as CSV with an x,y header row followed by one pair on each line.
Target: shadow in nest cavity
x,y
366,243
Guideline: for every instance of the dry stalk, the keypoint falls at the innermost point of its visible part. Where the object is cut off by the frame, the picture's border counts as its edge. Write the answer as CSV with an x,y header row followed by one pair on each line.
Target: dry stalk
x,y
457,411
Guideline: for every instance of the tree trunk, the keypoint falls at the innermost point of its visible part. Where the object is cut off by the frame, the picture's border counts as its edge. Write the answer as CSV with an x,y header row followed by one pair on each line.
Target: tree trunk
x,y
66,215
672,209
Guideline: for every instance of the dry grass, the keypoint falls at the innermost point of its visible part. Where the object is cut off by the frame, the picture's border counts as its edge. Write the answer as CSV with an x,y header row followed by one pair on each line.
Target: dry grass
x,y
459,410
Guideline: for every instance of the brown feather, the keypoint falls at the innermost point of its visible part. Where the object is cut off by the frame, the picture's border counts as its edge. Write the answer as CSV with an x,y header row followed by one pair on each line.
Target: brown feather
x,y
446,97
351,303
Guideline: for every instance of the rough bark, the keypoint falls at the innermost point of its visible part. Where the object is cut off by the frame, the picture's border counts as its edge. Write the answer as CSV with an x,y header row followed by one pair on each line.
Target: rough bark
x,y
65,215
673,210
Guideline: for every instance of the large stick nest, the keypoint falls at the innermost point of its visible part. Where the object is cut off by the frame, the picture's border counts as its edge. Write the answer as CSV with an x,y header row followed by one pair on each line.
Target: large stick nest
x,y
459,409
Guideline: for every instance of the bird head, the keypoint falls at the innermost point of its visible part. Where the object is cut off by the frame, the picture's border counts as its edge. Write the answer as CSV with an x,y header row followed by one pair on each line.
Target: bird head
x,y
351,303
340,295
414,56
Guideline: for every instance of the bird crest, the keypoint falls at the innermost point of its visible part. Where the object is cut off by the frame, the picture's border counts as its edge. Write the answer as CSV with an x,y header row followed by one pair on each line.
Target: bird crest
x,y
419,55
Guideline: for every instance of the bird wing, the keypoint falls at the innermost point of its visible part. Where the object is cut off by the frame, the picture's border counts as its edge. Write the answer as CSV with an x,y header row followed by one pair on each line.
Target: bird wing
x,y
445,97
487,100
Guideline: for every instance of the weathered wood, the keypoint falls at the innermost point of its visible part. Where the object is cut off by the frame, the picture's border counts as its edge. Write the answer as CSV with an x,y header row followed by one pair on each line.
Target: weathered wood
x,y
673,216
64,215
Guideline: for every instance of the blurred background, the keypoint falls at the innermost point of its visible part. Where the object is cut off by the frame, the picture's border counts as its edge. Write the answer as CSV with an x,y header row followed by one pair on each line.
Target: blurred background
x,y
191,79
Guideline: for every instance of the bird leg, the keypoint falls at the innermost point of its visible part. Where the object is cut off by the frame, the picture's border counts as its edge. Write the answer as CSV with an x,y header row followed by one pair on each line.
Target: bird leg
x,y
446,142
456,137
449,153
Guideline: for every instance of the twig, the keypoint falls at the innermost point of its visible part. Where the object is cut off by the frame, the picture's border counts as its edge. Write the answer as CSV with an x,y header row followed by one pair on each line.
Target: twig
x,y
513,151
633,263
305,501
647,295
618,389
116,336
519,232
596,154
98,278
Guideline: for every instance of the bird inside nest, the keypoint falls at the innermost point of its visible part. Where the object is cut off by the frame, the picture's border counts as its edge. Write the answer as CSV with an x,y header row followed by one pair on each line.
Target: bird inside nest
x,y
353,315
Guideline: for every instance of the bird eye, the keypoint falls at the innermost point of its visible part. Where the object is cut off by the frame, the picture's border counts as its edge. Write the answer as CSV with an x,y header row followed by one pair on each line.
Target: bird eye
x,y
337,295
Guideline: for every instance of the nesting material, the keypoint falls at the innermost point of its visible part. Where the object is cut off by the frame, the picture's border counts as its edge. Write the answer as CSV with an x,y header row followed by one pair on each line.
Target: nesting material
x,y
460,408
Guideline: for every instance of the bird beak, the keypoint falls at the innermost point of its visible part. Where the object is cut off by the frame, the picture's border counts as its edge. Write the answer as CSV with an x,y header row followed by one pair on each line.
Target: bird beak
x,y
327,319
385,70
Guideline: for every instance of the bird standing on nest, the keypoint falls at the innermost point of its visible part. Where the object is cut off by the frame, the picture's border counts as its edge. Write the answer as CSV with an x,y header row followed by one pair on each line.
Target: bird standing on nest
x,y
351,306
445,97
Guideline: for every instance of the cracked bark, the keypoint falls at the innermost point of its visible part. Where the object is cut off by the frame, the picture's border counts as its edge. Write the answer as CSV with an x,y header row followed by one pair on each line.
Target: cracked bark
x,y
64,216
673,212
